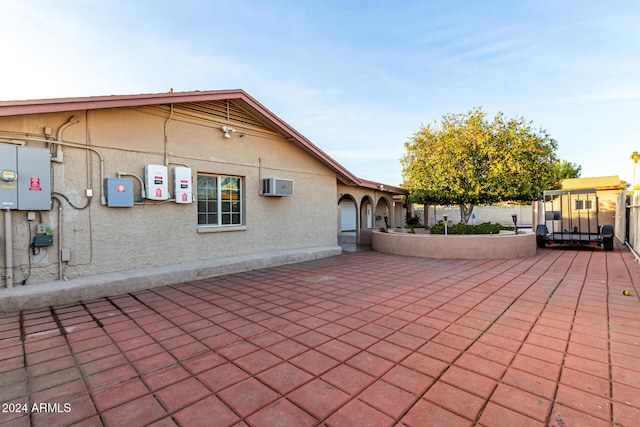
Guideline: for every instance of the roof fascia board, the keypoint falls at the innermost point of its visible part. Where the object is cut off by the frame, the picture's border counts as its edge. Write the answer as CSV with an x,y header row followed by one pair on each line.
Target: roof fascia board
x,y
43,106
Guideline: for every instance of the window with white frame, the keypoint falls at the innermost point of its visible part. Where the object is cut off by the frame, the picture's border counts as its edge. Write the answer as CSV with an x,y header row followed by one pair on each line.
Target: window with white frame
x,y
219,200
583,205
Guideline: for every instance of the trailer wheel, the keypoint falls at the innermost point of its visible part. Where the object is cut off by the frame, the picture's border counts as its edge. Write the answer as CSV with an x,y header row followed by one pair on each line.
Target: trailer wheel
x,y
607,243
541,242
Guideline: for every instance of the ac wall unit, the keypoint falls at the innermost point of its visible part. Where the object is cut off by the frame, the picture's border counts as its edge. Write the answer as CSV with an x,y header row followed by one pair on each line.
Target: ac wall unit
x,y
277,187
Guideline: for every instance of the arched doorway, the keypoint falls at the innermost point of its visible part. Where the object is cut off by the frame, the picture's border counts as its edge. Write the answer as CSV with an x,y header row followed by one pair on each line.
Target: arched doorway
x,y
366,213
383,216
348,213
348,223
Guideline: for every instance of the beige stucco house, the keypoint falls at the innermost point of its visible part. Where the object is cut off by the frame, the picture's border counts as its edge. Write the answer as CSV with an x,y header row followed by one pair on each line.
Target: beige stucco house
x,y
148,181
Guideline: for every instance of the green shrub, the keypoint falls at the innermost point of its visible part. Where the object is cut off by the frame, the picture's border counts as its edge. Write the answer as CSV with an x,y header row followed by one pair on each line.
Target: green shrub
x,y
460,228
412,221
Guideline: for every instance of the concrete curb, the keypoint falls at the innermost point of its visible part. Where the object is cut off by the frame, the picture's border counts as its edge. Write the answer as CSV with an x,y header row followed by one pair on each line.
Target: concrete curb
x,y
123,282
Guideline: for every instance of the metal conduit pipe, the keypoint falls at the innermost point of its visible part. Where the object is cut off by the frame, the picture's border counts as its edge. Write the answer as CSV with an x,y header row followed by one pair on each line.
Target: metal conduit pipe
x,y
60,274
72,121
166,137
143,193
103,200
8,249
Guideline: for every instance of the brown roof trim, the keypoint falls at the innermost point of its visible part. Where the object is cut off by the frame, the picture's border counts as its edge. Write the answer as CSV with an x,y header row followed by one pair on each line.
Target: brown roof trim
x,y
56,105
382,187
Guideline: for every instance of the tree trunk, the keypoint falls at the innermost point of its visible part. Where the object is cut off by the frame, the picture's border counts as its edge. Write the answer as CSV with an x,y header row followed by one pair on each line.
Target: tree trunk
x,y
465,213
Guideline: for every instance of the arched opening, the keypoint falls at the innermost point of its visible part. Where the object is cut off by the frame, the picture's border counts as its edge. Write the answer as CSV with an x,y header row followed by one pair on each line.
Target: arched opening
x,y
348,224
348,213
366,213
382,216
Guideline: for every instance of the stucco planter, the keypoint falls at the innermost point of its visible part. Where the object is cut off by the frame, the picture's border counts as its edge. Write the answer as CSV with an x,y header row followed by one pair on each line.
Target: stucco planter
x,y
418,230
479,246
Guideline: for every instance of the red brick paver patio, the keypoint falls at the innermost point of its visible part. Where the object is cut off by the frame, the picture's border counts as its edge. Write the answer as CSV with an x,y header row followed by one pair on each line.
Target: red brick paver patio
x,y
363,339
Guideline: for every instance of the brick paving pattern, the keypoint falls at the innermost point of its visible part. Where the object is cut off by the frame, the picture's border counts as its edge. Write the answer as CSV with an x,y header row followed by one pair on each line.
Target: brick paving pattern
x,y
361,339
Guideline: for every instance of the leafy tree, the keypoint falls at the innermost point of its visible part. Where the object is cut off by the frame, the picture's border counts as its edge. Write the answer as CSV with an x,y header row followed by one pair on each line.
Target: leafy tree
x,y
565,169
635,157
467,160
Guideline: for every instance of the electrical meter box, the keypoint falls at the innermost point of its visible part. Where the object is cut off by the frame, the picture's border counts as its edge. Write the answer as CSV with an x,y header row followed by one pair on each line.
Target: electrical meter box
x,y
119,192
8,177
25,178
34,179
156,181
182,189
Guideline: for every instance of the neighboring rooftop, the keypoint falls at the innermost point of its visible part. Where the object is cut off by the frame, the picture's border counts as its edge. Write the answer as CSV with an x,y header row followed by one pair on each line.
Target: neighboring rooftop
x,y
612,182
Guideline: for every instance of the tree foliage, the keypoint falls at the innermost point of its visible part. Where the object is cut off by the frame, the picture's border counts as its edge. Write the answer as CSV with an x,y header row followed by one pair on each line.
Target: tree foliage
x,y
565,169
635,157
468,160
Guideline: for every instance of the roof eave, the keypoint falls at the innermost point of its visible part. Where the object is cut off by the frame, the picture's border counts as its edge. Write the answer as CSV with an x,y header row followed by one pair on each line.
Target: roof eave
x,y
43,106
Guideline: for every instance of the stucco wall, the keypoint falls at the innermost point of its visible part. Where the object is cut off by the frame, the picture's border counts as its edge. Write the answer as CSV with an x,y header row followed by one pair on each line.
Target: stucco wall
x,y
103,239
481,214
502,246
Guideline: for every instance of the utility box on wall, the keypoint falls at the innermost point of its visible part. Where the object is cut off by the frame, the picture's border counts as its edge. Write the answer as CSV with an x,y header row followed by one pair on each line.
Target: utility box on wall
x,y
156,181
183,192
34,179
8,177
119,192
25,178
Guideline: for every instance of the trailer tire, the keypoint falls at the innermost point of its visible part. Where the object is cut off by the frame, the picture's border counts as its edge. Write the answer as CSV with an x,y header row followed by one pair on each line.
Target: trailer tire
x,y
541,242
607,243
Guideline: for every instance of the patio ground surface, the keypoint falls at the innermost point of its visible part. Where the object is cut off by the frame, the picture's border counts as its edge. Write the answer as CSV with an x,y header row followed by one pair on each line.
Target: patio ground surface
x,y
361,339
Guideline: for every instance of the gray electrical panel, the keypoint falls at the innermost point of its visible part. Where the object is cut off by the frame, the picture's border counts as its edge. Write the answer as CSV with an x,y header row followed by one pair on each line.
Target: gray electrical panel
x,y
25,178
119,192
8,180
34,179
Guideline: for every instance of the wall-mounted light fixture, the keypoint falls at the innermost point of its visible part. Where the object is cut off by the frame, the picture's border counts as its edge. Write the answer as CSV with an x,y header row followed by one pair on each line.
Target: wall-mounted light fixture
x,y
227,131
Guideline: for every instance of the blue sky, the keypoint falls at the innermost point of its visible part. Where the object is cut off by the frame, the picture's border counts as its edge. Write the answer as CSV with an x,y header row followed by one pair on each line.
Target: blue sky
x,y
357,78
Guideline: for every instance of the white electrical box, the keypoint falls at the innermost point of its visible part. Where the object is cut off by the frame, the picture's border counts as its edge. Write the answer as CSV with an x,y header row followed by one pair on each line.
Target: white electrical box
x,y
156,181
182,189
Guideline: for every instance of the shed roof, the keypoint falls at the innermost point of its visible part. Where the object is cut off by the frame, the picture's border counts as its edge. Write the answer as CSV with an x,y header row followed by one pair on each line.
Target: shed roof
x,y
612,182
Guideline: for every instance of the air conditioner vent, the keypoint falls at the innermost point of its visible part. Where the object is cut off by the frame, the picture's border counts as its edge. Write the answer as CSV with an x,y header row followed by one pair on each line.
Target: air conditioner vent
x,y
277,187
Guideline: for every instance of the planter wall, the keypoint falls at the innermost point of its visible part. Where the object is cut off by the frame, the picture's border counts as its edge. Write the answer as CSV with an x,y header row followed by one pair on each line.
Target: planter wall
x,y
480,246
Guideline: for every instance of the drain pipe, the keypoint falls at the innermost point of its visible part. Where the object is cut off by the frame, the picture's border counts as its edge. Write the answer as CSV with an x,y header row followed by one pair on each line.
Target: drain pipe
x,y
8,249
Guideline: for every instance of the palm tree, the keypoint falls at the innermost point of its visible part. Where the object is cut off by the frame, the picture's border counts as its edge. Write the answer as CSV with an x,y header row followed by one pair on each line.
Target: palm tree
x,y
635,156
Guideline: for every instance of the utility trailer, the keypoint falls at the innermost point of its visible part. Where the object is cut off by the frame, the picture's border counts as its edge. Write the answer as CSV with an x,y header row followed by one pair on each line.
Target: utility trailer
x,y
571,218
